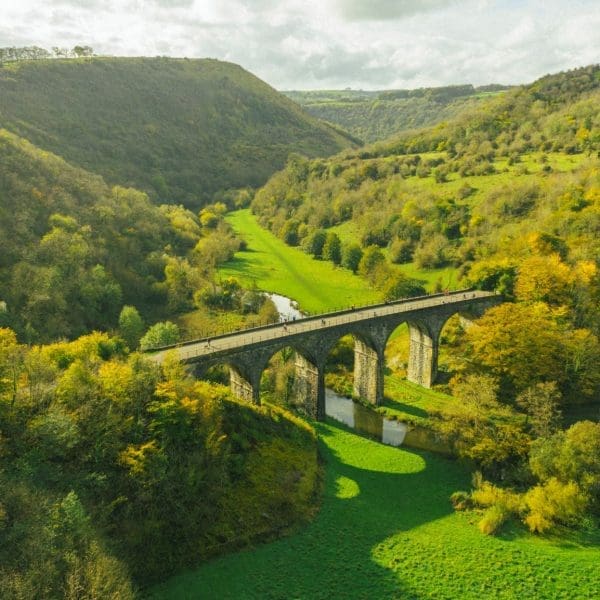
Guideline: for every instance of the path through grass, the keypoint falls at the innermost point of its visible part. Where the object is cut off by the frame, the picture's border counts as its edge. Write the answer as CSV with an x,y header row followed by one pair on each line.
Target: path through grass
x,y
275,267
386,531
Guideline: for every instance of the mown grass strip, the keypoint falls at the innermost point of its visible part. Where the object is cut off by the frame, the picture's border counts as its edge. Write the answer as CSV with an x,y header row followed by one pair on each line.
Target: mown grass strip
x,y
275,267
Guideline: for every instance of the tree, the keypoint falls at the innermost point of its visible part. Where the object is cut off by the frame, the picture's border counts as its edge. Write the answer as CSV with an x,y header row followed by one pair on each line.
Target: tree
x,y
80,51
479,428
11,361
571,455
544,278
315,242
398,285
372,258
131,326
332,250
541,402
351,257
160,334
521,344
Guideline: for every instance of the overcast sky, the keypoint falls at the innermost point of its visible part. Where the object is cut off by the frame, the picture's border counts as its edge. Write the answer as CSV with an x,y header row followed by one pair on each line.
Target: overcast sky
x,y
318,44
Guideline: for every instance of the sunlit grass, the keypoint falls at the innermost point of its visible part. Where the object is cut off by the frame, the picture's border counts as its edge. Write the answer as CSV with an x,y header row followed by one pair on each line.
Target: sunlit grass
x,y
386,530
275,267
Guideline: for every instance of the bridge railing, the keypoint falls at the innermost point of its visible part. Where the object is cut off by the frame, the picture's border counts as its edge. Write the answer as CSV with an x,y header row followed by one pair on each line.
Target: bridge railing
x,y
210,342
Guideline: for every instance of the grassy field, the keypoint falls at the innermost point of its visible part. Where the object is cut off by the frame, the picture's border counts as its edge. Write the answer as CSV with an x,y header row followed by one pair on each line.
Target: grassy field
x,y
406,401
386,531
275,267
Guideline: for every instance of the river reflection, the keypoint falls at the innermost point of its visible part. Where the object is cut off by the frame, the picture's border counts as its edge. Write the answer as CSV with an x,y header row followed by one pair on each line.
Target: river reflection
x,y
364,420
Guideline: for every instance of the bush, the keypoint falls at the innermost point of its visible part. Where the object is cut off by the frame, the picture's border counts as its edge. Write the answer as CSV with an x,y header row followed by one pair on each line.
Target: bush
x,y
160,334
461,500
493,518
552,503
487,495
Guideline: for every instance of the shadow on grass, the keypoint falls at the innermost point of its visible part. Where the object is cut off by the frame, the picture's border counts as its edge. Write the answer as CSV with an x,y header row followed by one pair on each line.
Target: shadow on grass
x,y
371,492
242,267
409,409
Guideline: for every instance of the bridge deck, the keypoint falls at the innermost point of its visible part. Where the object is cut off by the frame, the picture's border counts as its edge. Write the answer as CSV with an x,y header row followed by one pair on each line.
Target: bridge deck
x,y
189,351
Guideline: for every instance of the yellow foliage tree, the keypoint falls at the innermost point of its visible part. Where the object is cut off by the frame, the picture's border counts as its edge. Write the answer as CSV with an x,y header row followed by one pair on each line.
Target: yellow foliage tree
x,y
554,502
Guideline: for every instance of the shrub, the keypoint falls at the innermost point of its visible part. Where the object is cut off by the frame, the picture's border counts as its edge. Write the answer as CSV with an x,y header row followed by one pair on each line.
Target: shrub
x,y
554,502
461,500
493,519
488,495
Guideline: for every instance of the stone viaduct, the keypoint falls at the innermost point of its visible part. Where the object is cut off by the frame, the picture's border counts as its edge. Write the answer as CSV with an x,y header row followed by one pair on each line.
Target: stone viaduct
x,y
247,352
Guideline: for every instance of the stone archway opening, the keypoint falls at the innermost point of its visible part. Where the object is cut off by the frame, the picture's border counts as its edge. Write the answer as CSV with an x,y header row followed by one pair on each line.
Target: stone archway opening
x,y
411,353
278,378
451,340
397,352
219,373
339,367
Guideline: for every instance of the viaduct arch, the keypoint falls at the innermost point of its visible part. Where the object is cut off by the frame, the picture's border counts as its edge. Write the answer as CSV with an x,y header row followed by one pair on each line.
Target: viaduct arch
x,y
247,352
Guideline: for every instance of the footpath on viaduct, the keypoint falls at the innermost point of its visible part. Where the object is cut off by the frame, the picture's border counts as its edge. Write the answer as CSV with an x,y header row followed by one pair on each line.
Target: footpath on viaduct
x,y
247,352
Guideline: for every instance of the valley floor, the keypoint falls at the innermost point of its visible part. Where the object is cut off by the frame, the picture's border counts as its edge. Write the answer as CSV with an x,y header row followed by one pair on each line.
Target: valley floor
x,y
387,530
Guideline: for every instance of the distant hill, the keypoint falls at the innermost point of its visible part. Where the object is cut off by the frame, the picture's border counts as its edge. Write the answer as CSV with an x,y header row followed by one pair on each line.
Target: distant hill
x,y
376,115
179,129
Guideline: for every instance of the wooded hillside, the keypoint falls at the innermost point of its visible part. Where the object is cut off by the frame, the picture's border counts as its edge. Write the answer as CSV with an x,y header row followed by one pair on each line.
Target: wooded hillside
x,y
373,116
177,129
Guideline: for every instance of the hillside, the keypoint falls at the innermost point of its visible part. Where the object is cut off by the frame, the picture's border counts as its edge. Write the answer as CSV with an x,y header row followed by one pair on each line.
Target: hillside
x,y
73,250
373,116
506,196
408,187
178,129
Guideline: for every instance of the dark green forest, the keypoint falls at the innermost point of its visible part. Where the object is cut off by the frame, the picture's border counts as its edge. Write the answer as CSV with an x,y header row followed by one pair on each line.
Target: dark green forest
x,y
74,250
178,129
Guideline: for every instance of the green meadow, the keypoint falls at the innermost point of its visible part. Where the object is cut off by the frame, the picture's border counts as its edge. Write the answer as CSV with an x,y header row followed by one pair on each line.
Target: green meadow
x,y
273,266
386,530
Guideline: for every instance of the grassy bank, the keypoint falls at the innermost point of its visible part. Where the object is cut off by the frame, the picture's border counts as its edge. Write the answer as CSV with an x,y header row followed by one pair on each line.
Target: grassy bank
x,y
275,267
387,530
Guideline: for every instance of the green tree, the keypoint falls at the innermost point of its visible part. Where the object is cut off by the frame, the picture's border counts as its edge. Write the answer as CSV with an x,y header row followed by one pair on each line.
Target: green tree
x,y
332,250
351,256
571,455
160,334
131,326
372,260
541,402
315,243
398,285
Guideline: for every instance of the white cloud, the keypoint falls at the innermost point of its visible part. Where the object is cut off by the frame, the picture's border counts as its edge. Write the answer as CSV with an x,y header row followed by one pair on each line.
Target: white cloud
x,y
329,43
